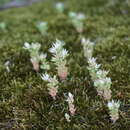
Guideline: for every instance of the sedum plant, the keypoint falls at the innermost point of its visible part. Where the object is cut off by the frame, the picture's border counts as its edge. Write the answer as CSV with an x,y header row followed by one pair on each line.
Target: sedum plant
x,y
113,107
36,58
59,58
100,79
77,20
52,84
103,87
7,66
103,84
67,117
70,100
93,68
33,48
60,7
44,64
42,27
87,47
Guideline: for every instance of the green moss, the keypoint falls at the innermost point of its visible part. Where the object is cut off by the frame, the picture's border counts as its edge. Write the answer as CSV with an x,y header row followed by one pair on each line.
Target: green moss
x,y
24,98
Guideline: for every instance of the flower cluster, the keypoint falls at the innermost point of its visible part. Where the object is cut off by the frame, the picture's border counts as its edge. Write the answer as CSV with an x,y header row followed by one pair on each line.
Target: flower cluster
x,y
87,47
77,20
60,7
36,58
114,110
44,64
52,84
103,87
67,117
101,81
70,101
93,68
42,27
59,58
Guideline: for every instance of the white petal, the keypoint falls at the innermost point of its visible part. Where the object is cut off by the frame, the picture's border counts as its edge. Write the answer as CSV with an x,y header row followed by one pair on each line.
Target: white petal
x,y
59,5
43,56
27,45
110,104
83,40
67,116
64,53
70,95
45,77
81,16
72,14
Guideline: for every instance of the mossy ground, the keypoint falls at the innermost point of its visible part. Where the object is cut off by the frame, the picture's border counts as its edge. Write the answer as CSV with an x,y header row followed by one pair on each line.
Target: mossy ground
x,y
24,99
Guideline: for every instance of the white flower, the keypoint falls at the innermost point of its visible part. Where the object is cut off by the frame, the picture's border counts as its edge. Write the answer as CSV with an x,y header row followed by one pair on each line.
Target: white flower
x,y
57,45
54,48
76,16
99,82
103,83
113,105
64,53
42,24
80,16
72,14
53,92
45,77
70,98
102,73
34,60
43,56
60,7
42,27
87,47
110,104
67,116
85,41
59,58
26,45
70,95
59,4
70,101
107,80
35,46
92,62
7,63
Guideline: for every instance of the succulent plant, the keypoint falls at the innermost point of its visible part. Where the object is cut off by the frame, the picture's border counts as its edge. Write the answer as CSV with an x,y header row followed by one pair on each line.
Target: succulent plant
x,y
113,107
59,58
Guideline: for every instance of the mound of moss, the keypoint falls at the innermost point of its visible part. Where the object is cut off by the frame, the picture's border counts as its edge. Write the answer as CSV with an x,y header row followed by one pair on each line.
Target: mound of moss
x,y
24,99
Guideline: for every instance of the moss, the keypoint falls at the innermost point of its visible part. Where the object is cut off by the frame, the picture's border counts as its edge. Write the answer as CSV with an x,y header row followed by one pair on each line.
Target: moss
x,y
24,99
